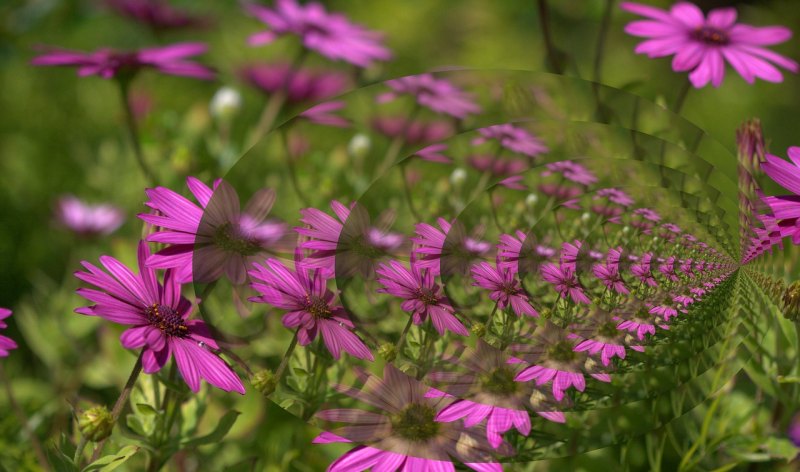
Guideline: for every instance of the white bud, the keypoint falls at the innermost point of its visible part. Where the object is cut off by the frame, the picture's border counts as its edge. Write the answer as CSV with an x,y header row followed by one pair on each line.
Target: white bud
x,y
458,176
586,216
359,146
531,199
225,103
626,229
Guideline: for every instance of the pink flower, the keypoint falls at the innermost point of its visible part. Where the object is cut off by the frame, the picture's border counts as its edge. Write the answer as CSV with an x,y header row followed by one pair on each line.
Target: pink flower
x,y
88,220
322,114
108,63
303,292
563,277
667,269
642,270
513,138
445,250
609,274
505,288
412,132
571,171
640,328
420,292
299,85
521,254
614,195
6,343
499,420
434,153
497,166
607,350
158,14
664,311
703,45
438,95
330,34
785,208
214,238
159,316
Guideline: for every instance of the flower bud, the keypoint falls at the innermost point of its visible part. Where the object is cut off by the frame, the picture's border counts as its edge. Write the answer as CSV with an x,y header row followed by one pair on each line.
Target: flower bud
x,y
586,216
359,146
458,177
531,199
626,229
545,313
478,329
225,103
791,302
96,423
264,381
387,352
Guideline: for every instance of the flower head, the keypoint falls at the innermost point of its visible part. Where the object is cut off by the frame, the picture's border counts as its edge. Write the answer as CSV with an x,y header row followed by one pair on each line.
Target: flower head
x,y
563,277
330,34
159,317
446,249
571,171
438,95
299,85
303,292
703,44
6,343
88,220
214,238
412,132
504,286
108,63
158,14
513,138
785,208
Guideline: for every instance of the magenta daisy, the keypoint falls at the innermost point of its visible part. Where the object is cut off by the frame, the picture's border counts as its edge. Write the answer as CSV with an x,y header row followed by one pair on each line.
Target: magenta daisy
x,y
785,208
160,322
505,289
108,63
446,249
521,253
323,114
438,95
88,220
215,238
563,278
299,85
703,44
6,343
330,34
412,132
157,14
667,269
513,138
642,270
603,337
614,195
609,273
421,294
571,171
401,430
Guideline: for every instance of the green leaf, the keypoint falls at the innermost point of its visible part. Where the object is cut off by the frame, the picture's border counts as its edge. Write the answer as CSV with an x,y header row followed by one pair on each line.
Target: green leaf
x,y
61,462
146,409
111,462
225,424
782,448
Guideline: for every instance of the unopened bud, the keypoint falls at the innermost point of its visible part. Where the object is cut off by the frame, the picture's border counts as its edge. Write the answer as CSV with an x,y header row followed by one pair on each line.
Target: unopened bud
x,y
225,103
478,329
458,177
359,146
531,199
264,381
586,216
387,352
791,302
96,423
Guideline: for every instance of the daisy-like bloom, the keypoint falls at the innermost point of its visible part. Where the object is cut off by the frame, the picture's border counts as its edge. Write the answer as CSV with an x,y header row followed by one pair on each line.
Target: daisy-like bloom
x,y
401,433
614,195
515,182
609,273
602,336
422,298
667,269
566,283
636,318
347,243
434,153
686,267
159,317
671,228
665,311
330,34
642,270
496,165
521,253
412,132
564,195
322,114
702,44
513,138
446,250
108,63
794,430
438,95
646,218
88,220
299,85
6,343
157,14
785,208
304,294
571,171
214,238
504,287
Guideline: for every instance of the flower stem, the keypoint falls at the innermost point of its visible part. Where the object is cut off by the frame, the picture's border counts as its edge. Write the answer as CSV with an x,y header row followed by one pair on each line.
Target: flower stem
x,y
121,401
680,99
402,339
133,132
23,419
397,143
407,188
291,168
285,361
552,55
597,72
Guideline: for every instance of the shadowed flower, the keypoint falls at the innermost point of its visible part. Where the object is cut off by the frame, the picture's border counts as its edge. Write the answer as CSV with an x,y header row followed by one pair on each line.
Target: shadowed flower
x,y
330,34
602,336
108,63
794,430
642,270
703,45
522,254
571,171
401,431
420,292
157,14
214,238
6,343
446,250
304,293
614,195
513,138
299,85
159,316
88,220
667,269
412,132
322,114
438,95
785,208
563,277
496,165
609,274
504,287
434,153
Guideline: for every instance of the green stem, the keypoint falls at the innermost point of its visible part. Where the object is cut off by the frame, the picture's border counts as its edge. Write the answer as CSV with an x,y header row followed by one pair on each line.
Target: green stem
x,y
285,361
397,144
133,132
402,339
491,318
291,168
121,401
23,420
407,189
680,99
76,459
550,49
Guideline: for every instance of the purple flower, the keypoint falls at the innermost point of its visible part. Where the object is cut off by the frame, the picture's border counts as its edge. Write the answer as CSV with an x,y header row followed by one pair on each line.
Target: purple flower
x,y
412,132
401,432
667,269
159,316
513,138
563,277
322,114
330,34
794,430
420,292
642,270
88,220
446,250
521,253
609,274
303,292
504,287
496,165
703,45
571,171
785,208
108,63
614,195
6,343
438,95
299,85
157,14
214,238
434,153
